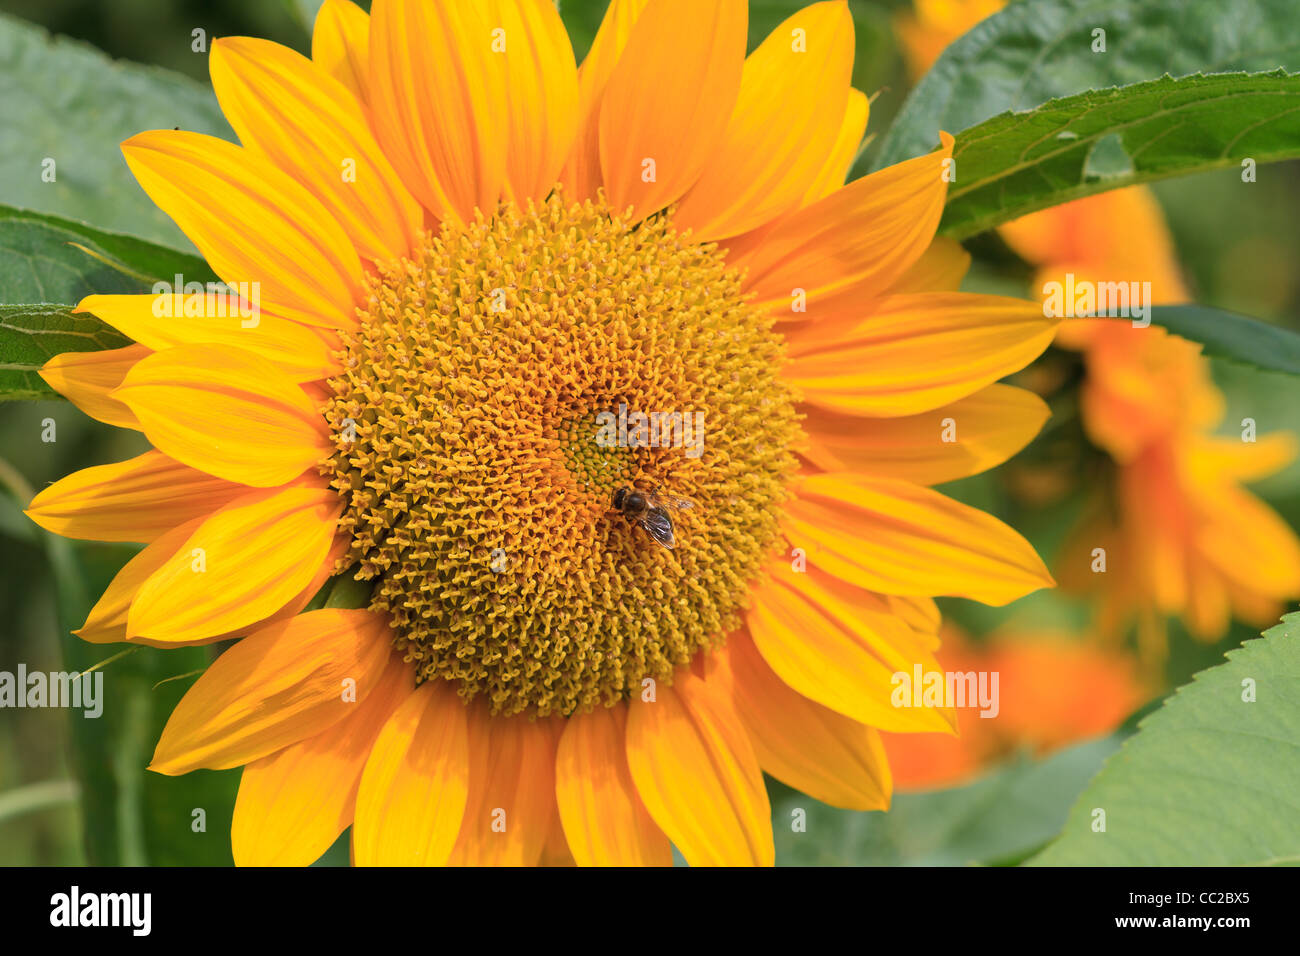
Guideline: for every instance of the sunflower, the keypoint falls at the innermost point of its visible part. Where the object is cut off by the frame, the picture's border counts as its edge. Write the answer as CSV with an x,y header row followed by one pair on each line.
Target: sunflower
x,y
467,252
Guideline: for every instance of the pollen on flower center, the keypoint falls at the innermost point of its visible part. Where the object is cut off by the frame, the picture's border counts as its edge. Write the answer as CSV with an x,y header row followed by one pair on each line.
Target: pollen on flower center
x,y
477,492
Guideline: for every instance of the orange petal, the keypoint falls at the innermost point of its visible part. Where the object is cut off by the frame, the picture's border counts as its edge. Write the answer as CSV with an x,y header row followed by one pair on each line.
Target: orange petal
x,y
842,647
252,222
438,101
605,822
556,852
915,352
787,118
166,320
971,435
696,772
899,538
135,500
542,90
293,804
846,249
415,784
292,111
810,747
240,566
512,791
226,412
666,105
581,174
281,684
87,378
340,43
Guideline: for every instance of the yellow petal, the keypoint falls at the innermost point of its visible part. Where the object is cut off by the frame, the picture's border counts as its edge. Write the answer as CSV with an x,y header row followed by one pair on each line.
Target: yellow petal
x,y
841,646
971,435
279,685
839,161
106,623
293,804
108,619
667,103
787,118
159,322
542,90
287,610
135,500
915,352
696,772
605,822
512,791
810,747
581,174
438,101
848,248
1251,545
252,222
899,538
340,43
415,784
293,112
941,268
87,378
240,566
1213,459
921,614
226,412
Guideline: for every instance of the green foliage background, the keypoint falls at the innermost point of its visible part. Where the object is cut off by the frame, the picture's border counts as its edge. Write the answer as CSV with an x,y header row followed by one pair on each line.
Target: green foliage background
x,y
1239,245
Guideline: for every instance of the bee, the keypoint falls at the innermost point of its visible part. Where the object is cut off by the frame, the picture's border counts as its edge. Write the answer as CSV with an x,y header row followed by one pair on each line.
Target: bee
x,y
651,511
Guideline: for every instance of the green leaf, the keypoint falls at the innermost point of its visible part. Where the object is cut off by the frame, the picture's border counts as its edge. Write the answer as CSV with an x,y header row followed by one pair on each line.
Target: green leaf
x,y
1230,336
40,263
67,102
1210,779
1018,163
147,261
30,335
51,263
999,817
1040,50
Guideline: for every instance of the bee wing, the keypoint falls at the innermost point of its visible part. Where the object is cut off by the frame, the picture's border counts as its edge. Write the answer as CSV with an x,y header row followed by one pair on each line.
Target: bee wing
x,y
659,526
670,501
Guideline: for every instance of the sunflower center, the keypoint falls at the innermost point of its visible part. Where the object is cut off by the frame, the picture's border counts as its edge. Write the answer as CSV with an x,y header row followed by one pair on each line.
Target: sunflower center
x,y
490,409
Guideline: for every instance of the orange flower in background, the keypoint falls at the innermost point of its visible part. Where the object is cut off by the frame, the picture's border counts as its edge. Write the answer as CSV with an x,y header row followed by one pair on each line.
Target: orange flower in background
x,y
1053,690
526,246
1177,533
926,30
1181,537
